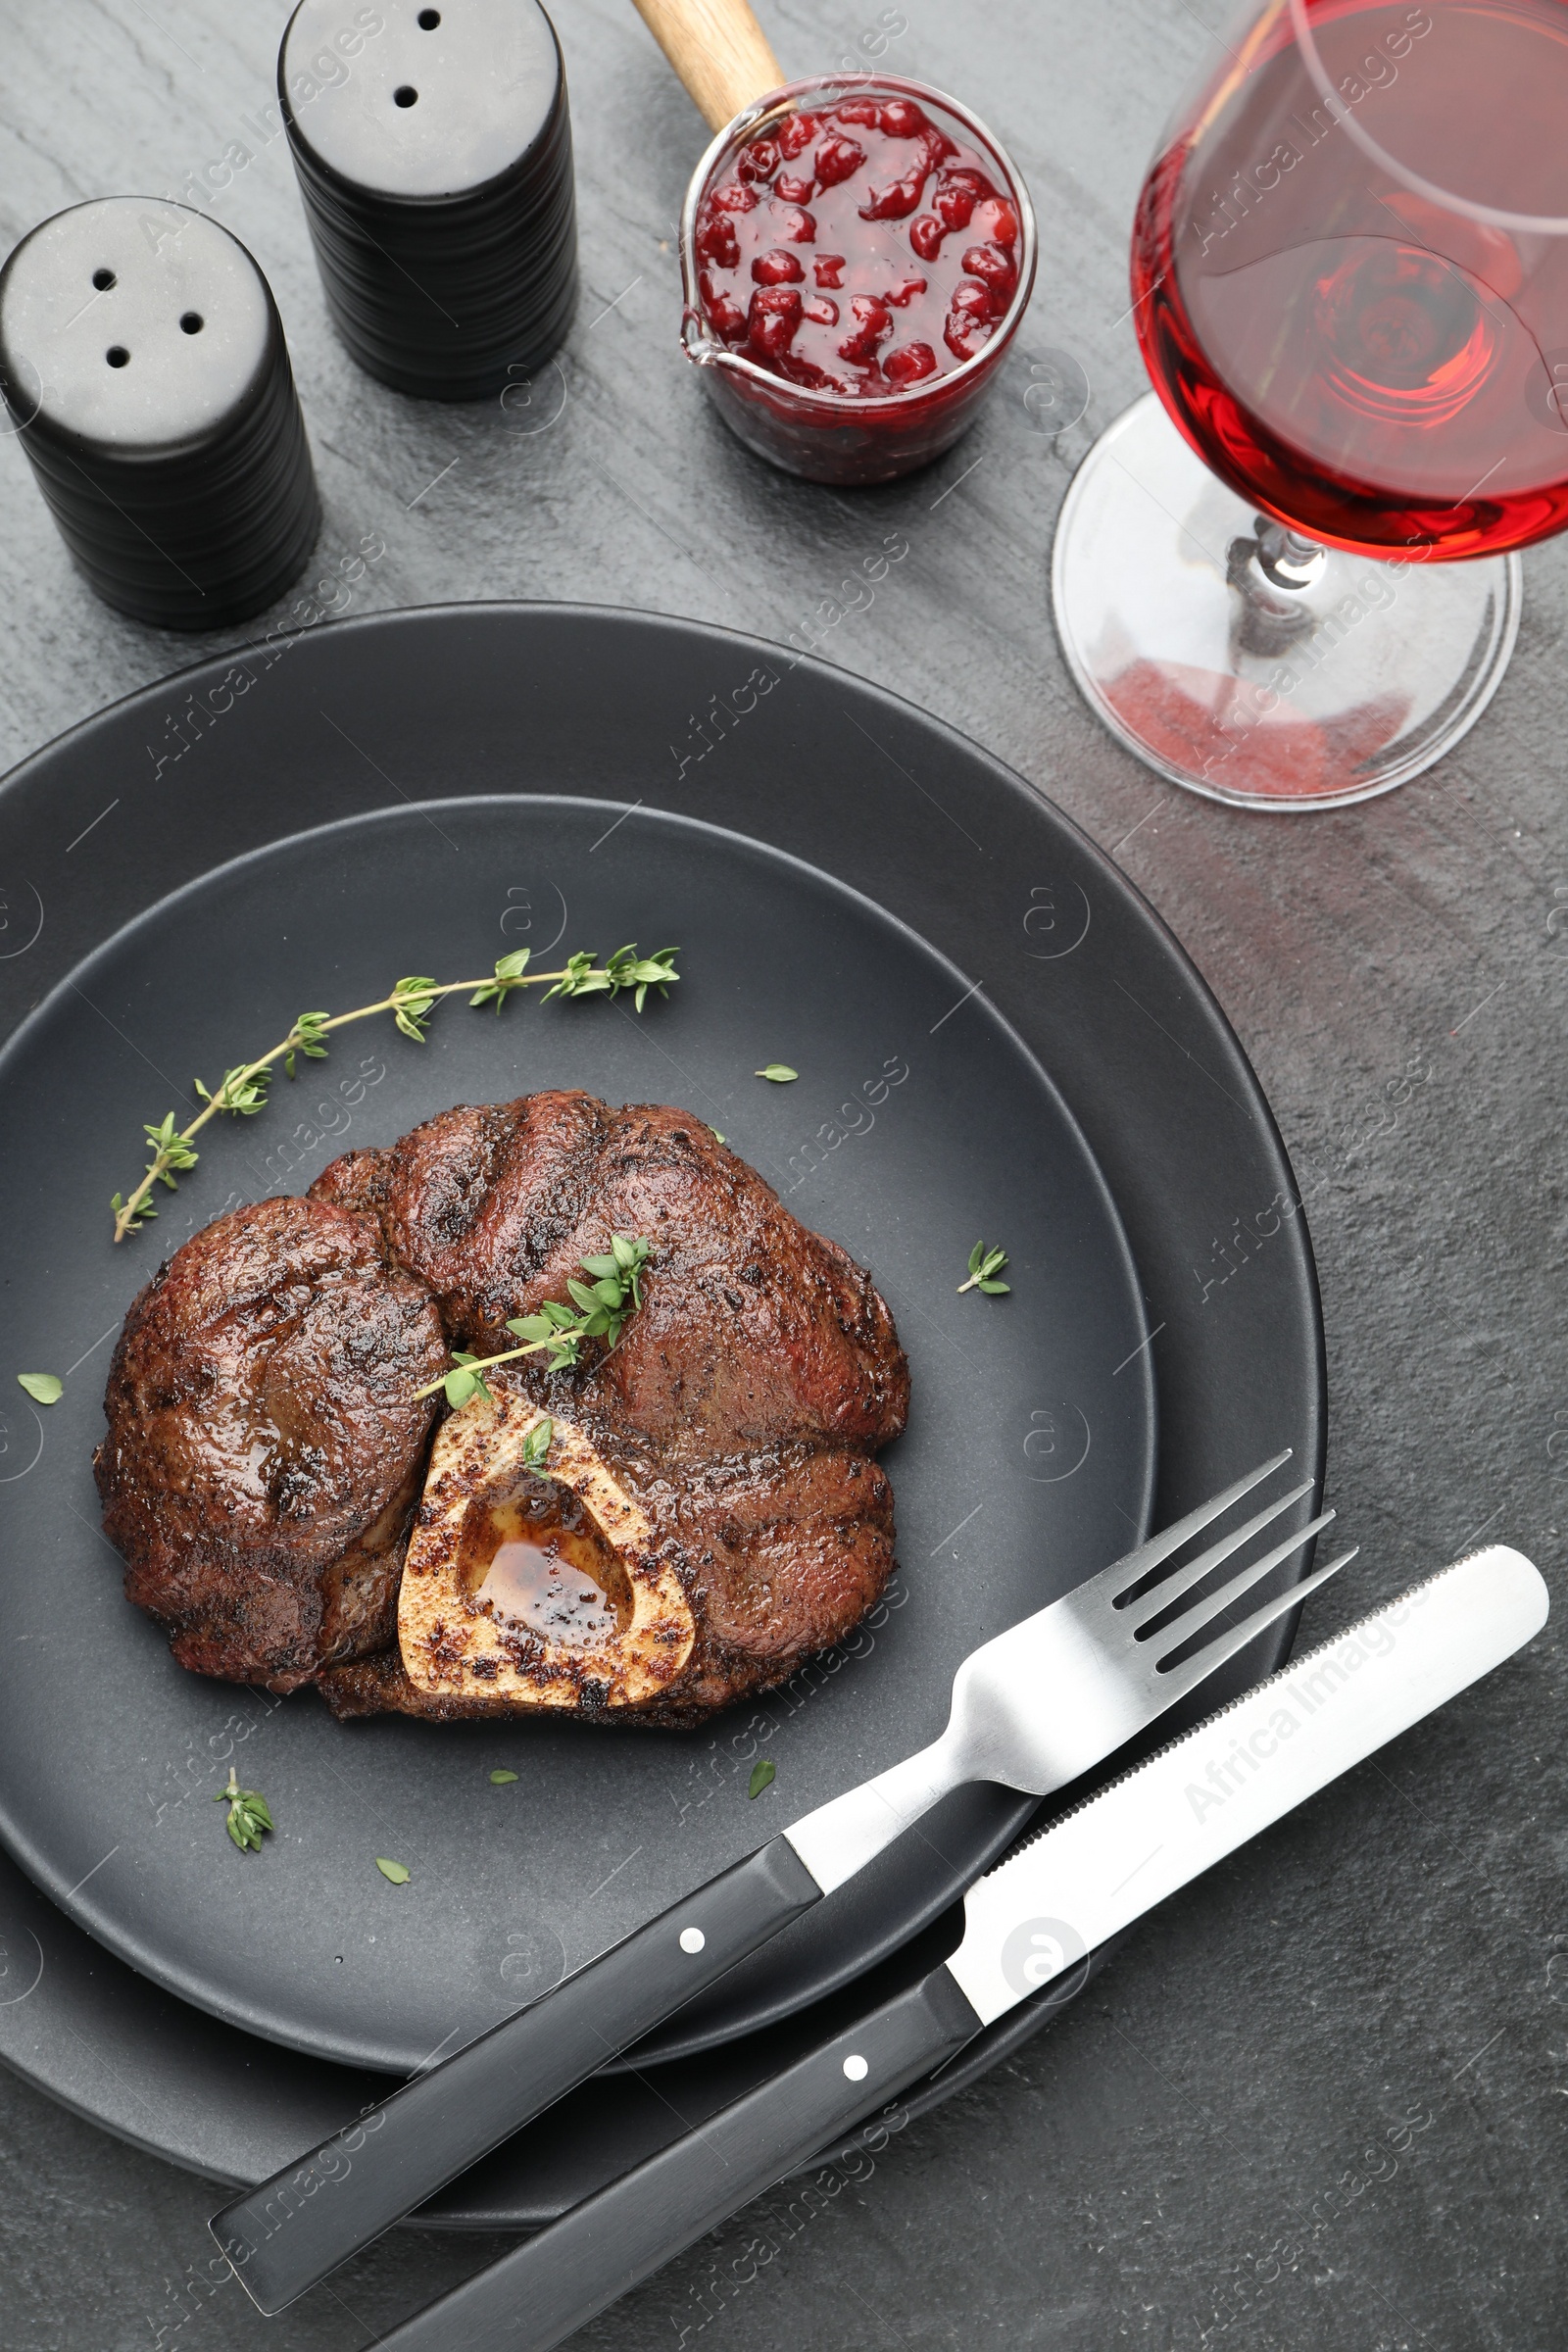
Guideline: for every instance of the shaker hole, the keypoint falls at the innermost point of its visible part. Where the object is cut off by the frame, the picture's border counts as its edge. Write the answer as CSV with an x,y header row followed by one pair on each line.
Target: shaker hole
x,y
191,323
116,354
428,19
103,279
405,95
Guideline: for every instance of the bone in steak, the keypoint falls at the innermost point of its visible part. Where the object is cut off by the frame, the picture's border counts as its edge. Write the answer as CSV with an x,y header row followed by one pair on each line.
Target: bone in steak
x,y
709,1513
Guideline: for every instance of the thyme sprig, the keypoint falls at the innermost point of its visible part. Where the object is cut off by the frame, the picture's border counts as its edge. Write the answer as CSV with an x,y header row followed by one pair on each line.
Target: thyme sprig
x,y
603,1307
411,1002
248,1815
985,1264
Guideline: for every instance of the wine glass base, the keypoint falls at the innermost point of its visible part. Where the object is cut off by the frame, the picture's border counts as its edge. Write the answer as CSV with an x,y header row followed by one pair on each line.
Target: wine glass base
x,y
1235,682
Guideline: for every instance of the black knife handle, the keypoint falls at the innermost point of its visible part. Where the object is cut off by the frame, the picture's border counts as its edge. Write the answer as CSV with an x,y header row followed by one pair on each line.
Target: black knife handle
x,y
290,2233
557,2281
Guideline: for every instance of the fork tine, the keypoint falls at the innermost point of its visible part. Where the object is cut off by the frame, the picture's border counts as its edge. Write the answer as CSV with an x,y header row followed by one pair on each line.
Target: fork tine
x,y
1163,1595
1214,1604
1186,1677
1136,1565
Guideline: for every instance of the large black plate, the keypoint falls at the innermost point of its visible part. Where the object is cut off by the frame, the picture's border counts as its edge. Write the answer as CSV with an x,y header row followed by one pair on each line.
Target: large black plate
x,y
1032,1426
550,700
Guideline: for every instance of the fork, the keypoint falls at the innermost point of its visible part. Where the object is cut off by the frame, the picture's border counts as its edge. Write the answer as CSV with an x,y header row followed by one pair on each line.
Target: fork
x,y
1032,1710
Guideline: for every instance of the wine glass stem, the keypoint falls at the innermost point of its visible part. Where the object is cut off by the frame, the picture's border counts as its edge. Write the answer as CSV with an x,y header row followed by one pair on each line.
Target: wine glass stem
x,y
1284,558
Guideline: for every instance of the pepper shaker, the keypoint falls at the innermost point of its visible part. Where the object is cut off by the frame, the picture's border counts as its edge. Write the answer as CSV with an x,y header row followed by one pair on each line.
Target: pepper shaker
x,y
434,152
143,363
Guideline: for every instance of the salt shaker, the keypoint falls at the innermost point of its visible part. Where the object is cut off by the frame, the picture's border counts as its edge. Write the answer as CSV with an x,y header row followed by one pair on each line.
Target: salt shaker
x,y
433,151
143,364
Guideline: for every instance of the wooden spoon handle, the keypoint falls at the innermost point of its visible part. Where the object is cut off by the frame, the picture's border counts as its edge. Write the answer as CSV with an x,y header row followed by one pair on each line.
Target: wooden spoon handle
x,y
719,51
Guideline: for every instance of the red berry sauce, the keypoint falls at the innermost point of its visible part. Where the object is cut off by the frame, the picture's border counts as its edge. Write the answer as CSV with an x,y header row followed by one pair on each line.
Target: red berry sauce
x,y
858,249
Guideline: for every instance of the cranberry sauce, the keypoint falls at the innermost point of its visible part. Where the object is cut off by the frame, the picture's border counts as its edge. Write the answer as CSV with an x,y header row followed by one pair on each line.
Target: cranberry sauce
x,y
859,249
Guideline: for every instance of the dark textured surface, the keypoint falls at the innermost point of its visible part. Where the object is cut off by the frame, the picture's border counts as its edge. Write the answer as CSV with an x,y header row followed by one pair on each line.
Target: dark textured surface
x,y
1315,2103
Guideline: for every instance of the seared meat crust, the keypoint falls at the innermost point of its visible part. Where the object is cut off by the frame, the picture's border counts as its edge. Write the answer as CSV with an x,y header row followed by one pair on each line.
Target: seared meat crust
x,y
475,1199
742,1404
264,1454
754,1331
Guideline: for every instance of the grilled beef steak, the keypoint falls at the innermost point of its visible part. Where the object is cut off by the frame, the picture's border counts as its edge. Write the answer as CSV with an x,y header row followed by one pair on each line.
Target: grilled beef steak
x,y
265,1453
708,1514
737,1416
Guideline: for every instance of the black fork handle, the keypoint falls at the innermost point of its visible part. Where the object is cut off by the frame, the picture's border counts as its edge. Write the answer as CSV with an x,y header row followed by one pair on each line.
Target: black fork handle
x,y
288,2235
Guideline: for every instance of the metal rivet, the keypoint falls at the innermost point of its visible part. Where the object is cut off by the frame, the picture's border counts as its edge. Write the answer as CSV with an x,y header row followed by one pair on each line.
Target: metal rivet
x,y
691,1939
856,2069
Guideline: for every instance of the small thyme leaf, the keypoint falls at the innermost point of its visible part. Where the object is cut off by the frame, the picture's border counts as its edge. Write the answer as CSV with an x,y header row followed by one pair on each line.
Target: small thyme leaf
x,y
243,1091
763,1775
468,1381
44,1387
578,980
985,1264
397,1872
535,1448
509,975
306,1038
169,1151
499,1780
717,1138
779,1071
248,1814
412,1003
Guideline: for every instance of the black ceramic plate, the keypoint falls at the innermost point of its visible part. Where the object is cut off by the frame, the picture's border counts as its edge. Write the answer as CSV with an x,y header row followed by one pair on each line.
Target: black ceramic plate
x,y
523,700
1024,1434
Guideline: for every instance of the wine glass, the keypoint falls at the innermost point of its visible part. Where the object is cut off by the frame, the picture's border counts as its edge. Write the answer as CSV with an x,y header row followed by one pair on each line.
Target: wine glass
x,y
1350,277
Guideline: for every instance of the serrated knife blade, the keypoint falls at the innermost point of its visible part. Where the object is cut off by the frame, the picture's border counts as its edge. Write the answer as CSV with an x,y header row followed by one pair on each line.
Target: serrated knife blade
x,y
1081,1881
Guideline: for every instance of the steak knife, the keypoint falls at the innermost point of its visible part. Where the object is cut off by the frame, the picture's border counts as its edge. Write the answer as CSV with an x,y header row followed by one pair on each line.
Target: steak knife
x,y
1028,1924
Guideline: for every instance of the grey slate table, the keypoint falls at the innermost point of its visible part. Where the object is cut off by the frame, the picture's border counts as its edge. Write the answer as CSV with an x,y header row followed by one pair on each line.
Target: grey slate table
x,y
1315,2103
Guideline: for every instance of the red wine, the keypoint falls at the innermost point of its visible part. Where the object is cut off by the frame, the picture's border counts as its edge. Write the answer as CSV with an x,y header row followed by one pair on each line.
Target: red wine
x,y
1328,302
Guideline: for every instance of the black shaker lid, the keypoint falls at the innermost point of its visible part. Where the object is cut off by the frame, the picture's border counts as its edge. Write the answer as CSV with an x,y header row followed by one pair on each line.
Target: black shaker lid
x,y
133,325
419,102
